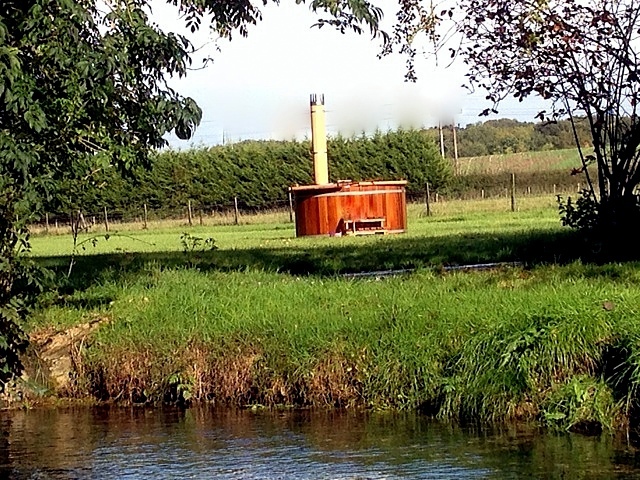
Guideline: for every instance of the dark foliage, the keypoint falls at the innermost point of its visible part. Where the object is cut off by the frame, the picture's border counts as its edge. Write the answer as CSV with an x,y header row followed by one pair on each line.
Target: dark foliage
x,y
257,172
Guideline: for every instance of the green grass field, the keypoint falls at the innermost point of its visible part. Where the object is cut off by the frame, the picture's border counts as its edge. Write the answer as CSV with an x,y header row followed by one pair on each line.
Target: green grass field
x,y
525,162
273,231
269,319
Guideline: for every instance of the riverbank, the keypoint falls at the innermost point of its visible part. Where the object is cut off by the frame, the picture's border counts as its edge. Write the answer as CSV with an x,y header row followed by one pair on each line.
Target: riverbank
x,y
265,324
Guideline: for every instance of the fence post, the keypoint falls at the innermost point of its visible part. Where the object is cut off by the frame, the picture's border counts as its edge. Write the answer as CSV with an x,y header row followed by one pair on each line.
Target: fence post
x,y
513,192
144,219
235,208
290,207
106,219
189,213
81,219
46,222
554,189
426,200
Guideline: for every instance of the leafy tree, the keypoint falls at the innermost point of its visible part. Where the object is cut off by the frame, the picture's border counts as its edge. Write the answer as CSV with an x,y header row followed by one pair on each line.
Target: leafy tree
x,y
80,88
83,89
583,57
560,134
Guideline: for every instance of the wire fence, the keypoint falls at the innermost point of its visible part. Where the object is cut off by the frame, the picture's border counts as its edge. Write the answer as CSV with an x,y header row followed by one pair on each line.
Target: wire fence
x,y
237,211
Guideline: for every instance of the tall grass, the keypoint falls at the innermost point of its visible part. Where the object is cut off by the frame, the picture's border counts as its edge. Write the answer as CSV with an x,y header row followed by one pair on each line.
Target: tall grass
x,y
270,319
486,345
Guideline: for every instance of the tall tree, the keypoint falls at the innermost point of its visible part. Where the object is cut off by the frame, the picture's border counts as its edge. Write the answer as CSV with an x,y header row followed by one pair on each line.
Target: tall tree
x,y
79,84
83,86
583,57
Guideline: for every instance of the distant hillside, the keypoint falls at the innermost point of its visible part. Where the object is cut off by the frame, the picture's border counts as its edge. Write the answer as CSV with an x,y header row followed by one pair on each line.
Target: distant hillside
x,y
542,161
511,136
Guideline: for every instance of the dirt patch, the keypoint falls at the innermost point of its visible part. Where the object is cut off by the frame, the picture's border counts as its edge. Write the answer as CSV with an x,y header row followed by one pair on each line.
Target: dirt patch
x,y
57,351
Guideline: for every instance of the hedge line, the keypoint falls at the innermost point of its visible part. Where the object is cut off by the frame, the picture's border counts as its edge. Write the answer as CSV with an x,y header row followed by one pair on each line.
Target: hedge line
x,y
257,172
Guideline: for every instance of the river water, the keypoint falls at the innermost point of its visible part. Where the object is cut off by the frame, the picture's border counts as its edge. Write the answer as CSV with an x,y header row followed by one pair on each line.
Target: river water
x,y
242,444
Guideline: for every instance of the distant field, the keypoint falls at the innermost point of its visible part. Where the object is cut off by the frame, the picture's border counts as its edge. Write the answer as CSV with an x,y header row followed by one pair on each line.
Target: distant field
x,y
521,162
273,229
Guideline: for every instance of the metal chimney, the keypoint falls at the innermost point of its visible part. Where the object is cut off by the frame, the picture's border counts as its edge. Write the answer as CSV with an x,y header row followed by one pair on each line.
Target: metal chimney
x,y
319,140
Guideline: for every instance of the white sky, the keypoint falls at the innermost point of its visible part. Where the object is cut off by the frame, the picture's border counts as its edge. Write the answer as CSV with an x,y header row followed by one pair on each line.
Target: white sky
x,y
258,87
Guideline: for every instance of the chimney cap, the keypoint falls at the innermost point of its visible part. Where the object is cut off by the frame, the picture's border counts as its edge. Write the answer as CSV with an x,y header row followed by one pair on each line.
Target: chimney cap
x,y
317,99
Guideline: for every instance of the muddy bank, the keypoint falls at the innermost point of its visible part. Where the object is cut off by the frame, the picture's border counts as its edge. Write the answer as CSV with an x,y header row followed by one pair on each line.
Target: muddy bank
x,y
52,367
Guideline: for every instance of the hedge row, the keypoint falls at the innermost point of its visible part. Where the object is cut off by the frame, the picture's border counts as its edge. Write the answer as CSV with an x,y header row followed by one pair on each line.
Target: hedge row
x,y
257,172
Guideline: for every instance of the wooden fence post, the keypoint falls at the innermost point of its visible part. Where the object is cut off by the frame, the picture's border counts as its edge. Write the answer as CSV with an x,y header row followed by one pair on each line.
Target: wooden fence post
x,y
235,208
513,192
145,218
189,213
290,207
426,200
82,220
46,222
455,150
106,219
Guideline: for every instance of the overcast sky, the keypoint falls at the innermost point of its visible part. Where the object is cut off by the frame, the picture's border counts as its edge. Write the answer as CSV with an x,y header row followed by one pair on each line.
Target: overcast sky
x,y
258,87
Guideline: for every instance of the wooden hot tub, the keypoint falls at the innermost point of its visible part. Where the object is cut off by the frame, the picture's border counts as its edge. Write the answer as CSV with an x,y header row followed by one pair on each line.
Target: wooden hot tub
x,y
343,208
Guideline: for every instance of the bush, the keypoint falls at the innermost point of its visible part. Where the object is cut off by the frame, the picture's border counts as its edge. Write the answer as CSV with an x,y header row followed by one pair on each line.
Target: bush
x,y
581,215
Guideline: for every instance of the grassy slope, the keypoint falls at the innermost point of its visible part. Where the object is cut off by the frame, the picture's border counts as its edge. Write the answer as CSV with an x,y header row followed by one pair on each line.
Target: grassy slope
x,y
524,162
516,342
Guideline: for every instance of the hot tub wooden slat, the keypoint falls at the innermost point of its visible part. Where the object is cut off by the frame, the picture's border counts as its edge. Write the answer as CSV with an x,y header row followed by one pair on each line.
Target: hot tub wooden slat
x,y
323,209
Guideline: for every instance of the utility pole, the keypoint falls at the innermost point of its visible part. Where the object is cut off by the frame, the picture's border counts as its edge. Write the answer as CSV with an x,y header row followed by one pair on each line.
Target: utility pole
x,y
455,149
441,139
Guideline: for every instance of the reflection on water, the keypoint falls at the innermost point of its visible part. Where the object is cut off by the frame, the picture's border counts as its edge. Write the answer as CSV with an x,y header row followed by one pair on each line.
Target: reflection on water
x,y
232,444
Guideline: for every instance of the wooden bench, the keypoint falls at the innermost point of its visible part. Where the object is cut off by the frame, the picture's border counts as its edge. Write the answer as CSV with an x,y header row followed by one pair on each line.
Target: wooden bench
x,y
364,226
